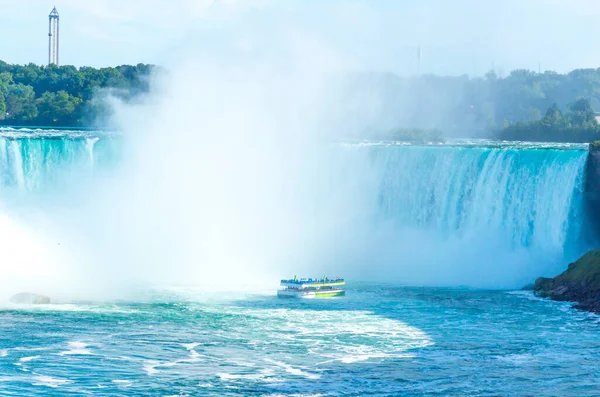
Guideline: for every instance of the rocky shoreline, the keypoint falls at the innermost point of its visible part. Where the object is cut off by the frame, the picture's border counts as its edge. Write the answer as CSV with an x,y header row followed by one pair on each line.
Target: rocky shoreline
x,y
580,283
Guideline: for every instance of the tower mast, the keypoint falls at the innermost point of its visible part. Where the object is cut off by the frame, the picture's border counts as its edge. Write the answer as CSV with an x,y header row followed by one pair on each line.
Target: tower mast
x,y
53,37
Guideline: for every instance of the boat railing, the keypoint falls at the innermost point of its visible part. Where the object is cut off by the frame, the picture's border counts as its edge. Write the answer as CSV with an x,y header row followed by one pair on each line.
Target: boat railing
x,y
313,280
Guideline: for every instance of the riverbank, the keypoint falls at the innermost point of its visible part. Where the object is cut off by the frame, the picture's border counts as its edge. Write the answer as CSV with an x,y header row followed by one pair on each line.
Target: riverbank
x,y
580,283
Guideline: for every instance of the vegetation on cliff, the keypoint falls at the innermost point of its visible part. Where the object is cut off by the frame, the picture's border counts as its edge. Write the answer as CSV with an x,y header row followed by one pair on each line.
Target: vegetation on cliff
x,y
577,125
522,105
579,283
484,106
65,95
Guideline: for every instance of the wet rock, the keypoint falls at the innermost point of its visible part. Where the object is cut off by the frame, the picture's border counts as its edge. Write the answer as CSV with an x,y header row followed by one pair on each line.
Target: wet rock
x,y
528,287
580,283
592,188
30,298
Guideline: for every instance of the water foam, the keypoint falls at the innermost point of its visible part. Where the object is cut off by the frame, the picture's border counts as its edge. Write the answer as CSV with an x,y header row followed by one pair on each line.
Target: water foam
x,y
388,207
445,209
76,348
28,359
44,380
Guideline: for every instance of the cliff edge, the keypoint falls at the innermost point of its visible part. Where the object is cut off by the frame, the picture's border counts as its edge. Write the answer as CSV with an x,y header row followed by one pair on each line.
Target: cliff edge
x,y
579,283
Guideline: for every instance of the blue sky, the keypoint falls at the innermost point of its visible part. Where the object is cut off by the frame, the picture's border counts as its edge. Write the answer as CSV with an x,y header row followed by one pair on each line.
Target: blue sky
x,y
456,37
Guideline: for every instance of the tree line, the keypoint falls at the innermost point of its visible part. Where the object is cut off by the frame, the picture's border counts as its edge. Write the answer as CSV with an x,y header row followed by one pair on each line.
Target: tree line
x,y
522,105
487,106
579,124
64,95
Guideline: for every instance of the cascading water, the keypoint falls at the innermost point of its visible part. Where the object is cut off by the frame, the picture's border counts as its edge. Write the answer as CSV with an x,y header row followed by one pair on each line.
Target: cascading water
x,y
490,216
35,163
90,142
532,197
16,160
445,215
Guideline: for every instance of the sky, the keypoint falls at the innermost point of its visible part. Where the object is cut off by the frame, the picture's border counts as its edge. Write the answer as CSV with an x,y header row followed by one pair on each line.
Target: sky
x,y
455,37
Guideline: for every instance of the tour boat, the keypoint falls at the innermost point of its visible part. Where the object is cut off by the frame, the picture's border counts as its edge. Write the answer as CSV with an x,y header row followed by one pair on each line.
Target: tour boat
x,y
311,288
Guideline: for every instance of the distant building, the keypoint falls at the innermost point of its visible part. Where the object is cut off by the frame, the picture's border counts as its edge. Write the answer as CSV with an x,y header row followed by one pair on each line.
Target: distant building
x,y
53,37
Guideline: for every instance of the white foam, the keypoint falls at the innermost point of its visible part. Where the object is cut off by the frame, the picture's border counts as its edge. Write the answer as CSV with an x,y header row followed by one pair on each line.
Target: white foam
x,y
517,359
123,383
525,294
50,381
67,307
359,335
252,376
3,353
190,346
27,359
150,367
76,348
194,356
294,371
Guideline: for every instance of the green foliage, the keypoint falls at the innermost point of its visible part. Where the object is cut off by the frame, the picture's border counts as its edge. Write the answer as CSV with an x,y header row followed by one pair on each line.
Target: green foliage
x,y
582,113
524,104
463,106
20,103
65,95
2,107
578,125
553,117
58,108
579,283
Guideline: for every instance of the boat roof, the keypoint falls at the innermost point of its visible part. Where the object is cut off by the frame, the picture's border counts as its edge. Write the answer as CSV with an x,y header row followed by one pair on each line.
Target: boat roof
x,y
313,281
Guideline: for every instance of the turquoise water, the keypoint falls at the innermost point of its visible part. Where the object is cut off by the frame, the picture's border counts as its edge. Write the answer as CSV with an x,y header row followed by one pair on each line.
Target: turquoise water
x,y
477,213
380,340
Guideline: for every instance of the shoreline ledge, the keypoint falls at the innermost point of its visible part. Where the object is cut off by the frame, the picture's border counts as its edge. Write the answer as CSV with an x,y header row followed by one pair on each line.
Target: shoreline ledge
x,y
580,284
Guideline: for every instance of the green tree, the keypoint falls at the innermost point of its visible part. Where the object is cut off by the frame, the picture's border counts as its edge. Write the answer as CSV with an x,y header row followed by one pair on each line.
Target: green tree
x,y
67,93
58,108
582,113
553,116
2,107
20,103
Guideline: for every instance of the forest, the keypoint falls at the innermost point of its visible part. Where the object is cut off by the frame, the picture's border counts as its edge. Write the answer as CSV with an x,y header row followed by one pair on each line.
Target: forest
x,y
65,96
579,124
522,105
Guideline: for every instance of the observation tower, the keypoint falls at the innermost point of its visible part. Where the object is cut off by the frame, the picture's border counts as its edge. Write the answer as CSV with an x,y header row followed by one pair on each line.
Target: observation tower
x,y
53,37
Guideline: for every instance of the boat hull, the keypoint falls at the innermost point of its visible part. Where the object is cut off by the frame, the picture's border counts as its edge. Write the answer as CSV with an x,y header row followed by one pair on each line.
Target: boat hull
x,y
286,293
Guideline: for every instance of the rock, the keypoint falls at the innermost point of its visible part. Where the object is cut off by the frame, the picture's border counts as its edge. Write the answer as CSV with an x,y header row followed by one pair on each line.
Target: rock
x,y
591,188
528,287
580,283
29,298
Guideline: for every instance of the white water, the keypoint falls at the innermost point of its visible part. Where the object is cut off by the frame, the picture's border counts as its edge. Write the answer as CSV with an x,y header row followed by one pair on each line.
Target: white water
x,y
235,217
89,143
17,161
230,179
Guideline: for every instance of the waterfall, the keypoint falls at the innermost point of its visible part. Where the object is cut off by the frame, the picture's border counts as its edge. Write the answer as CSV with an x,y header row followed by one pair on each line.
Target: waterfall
x,y
452,214
17,163
90,142
444,215
34,164
528,197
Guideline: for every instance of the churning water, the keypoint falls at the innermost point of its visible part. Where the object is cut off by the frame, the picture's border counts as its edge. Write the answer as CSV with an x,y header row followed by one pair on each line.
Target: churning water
x,y
481,214
380,340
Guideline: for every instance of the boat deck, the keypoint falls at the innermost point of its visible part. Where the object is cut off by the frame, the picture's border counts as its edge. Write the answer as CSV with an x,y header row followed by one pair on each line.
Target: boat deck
x,y
321,283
